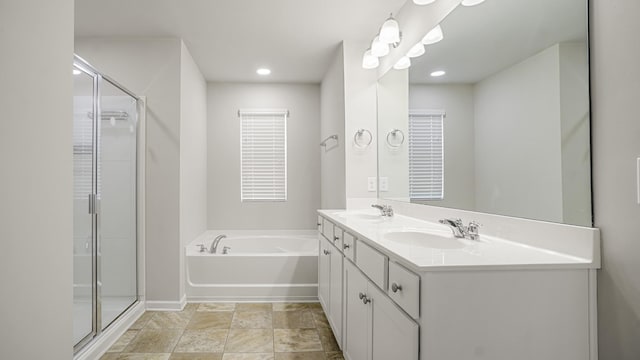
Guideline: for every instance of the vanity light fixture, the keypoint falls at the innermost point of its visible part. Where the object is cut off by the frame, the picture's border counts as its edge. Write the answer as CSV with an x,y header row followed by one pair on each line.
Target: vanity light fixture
x,y
369,61
263,71
471,2
379,48
438,73
403,63
390,31
433,36
416,50
423,2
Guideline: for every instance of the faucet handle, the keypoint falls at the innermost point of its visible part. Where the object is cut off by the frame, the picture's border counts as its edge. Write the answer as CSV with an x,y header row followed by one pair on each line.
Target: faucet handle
x,y
472,230
202,247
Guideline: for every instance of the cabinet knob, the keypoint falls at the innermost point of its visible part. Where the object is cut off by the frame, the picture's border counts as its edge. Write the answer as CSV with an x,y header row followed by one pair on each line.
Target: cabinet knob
x,y
395,287
336,238
345,246
326,252
364,298
318,224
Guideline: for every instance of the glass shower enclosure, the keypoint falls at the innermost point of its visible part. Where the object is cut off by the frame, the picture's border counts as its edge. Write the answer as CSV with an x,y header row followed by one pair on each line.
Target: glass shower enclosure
x,y
105,230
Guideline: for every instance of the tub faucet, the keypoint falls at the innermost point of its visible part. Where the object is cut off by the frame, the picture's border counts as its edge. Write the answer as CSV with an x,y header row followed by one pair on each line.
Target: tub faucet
x,y
215,242
385,210
456,225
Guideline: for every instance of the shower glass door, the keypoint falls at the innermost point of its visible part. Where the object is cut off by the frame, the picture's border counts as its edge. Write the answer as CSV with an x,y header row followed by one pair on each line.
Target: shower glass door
x,y
117,230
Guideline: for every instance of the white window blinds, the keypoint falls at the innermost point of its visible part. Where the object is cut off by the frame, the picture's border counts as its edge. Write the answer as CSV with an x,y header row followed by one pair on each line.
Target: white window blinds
x,y
263,155
426,155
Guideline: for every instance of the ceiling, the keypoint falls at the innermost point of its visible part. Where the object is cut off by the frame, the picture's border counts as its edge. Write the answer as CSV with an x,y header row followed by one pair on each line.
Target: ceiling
x,y
482,40
230,39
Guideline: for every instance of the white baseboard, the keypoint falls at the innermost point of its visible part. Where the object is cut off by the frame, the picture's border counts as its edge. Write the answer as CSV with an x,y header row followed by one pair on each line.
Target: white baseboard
x,y
167,305
105,340
252,299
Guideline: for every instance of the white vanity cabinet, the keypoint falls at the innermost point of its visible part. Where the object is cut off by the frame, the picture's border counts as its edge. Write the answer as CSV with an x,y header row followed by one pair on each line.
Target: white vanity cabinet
x,y
375,328
330,262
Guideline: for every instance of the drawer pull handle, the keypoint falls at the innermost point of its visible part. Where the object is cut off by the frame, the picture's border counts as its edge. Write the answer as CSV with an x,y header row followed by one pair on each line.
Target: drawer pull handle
x,y
319,224
336,238
346,246
395,287
326,252
364,298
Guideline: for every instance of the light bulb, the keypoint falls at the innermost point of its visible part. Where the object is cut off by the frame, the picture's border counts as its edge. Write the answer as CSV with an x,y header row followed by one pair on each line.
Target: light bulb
x,y
423,2
390,31
433,36
378,48
403,63
438,73
471,2
416,50
369,61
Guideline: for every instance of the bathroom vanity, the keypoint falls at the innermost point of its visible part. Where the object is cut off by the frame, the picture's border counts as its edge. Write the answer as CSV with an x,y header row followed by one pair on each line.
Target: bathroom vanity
x,y
404,288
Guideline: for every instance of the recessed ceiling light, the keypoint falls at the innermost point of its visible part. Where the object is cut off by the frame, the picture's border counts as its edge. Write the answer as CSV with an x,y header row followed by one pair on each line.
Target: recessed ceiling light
x,y
471,2
263,71
76,72
438,73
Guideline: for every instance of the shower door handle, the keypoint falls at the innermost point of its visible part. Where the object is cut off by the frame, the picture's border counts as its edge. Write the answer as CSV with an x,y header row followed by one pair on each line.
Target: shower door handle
x,y
92,204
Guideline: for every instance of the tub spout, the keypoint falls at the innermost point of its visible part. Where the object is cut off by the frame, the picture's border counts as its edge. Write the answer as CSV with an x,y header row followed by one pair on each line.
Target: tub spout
x,y
214,245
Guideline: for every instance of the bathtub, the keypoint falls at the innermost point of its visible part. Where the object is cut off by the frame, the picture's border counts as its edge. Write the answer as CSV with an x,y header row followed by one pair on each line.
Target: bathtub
x,y
259,266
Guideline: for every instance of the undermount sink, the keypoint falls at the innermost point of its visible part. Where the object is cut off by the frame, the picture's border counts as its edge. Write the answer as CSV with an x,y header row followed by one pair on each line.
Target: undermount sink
x,y
425,239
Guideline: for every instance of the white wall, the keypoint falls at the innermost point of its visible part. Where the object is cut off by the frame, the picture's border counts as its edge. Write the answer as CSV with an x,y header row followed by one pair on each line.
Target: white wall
x,y
459,139
517,144
37,198
225,210
193,153
332,161
615,91
151,67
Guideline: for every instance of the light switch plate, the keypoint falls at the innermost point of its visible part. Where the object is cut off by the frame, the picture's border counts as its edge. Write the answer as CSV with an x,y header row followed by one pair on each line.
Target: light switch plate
x,y
371,184
384,183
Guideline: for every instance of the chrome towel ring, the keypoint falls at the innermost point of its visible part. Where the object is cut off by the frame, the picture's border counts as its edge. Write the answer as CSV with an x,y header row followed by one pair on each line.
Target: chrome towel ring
x,y
357,138
393,134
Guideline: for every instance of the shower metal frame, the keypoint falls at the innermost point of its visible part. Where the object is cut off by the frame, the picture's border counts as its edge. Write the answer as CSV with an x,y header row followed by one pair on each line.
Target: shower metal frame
x,y
96,274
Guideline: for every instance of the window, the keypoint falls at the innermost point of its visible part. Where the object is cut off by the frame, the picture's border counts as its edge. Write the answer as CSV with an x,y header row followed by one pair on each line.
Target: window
x,y
263,155
426,155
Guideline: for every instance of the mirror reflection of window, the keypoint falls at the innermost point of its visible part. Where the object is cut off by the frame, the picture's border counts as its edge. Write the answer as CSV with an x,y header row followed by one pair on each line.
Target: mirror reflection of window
x,y
426,155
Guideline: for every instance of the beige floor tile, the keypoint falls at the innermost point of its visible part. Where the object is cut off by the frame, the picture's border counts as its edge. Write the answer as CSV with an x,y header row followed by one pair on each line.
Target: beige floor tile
x,y
252,320
204,320
247,356
154,341
320,319
329,342
314,306
254,307
293,320
294,340
249,341
300,356
196,356
202,341
217,307
334,356
190,308
290,306
123,341
128,356
142,320
169,320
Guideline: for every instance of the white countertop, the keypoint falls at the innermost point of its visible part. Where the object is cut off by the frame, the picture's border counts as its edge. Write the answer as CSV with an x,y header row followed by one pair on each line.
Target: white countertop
x,y
487,253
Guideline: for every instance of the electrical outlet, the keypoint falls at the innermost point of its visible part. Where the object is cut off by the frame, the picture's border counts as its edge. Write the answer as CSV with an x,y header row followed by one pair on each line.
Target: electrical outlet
x,y
371,184
384,183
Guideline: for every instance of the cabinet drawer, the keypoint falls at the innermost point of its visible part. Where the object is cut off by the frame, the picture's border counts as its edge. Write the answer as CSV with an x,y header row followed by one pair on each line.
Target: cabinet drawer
x,y
337,237
372,263
404,289
327,229
348,245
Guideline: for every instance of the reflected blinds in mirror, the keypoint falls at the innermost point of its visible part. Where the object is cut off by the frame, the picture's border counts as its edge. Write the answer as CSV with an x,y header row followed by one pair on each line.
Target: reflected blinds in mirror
x,y
263,151
426,155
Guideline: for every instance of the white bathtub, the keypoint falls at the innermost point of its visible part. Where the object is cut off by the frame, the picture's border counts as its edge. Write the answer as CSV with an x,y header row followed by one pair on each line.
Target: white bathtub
x,y
259,266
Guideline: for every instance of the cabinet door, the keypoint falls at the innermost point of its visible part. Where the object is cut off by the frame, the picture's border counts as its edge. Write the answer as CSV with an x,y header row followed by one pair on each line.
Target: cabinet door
x,y
357,332
395,335
335,293
324,273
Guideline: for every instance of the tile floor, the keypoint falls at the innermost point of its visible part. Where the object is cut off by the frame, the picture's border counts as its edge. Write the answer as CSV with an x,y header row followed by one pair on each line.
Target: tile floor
x,y
225,331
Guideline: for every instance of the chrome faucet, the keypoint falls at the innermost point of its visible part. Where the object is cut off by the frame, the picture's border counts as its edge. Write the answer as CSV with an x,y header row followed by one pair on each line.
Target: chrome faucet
x,y
215,242
461,231
385,210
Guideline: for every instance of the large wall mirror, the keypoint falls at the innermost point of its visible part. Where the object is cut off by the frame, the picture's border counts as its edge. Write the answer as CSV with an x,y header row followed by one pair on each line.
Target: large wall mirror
x,y
505,130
